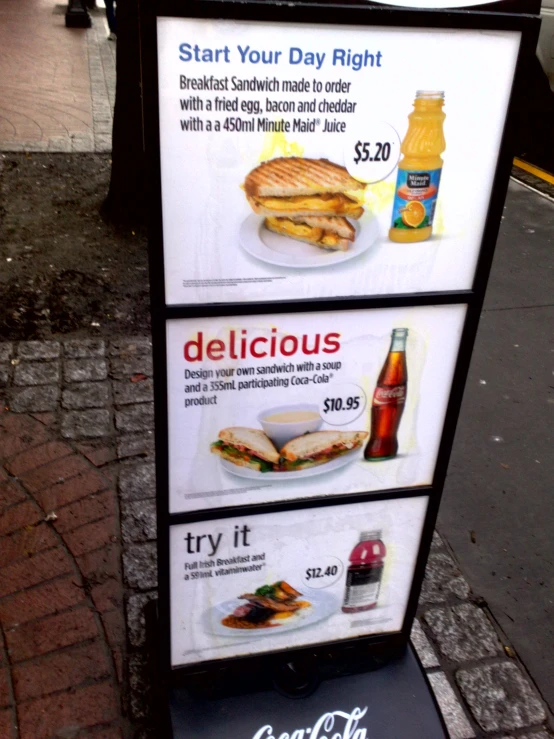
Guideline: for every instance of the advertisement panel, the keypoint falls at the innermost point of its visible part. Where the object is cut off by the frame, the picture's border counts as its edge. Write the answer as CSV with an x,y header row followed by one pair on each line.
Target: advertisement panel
x,y
268,582
283,406
319,161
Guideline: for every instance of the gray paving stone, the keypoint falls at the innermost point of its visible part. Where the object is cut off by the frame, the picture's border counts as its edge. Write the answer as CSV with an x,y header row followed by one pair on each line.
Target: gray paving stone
x,y
38,349
89,424
532,735
135,417
126,392
500,697
138,345
86,395
4,375
79,349
442,580
138,520
140,683
34,399
124,369
135,617
81,370
6,351
463,632
136,445
137,482
140,566
456,721
36,373
423,647
437,542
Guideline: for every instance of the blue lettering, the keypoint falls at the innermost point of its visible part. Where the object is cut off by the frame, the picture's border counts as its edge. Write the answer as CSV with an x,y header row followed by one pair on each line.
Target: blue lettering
x,y
186,54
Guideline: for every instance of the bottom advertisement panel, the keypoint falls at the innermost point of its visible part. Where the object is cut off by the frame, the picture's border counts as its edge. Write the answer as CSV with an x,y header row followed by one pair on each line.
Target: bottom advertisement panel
x,y
253,584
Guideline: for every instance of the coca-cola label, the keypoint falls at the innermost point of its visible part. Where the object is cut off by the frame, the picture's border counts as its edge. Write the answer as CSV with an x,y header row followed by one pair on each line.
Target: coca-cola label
x,y
389,395
332,725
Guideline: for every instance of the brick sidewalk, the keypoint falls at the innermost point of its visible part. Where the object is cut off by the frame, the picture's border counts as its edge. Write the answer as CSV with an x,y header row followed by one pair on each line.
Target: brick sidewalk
x,y
57,85
61,593
77,441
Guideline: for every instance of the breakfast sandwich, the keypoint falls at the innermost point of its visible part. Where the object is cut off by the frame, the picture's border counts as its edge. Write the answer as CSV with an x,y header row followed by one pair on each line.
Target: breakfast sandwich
x,y
323,231
291,190
246,448
318,448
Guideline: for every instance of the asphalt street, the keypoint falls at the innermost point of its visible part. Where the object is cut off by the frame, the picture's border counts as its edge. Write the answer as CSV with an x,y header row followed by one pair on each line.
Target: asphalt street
x,y
497,511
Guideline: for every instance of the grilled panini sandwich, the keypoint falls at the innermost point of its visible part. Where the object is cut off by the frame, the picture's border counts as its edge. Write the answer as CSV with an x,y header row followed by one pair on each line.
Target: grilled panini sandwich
x,y
318,448
291,190
323,231
246,448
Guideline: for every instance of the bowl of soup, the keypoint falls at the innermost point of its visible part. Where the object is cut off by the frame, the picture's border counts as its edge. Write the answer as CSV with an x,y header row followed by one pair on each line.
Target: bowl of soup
x,y
286,422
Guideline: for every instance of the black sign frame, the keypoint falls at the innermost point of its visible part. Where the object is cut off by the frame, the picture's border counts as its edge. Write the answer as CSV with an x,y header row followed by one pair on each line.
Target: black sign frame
x,y
351,14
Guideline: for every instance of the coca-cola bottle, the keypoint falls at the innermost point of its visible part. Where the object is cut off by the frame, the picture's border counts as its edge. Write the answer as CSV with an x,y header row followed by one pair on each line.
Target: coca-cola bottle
x,y
388,400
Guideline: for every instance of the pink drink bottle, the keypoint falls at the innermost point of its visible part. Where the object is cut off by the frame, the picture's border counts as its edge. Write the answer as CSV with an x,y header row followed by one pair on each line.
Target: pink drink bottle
x,y
363,577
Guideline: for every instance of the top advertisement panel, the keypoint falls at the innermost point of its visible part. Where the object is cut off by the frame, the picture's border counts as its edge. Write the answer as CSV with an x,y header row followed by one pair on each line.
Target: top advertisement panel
x,y
313,161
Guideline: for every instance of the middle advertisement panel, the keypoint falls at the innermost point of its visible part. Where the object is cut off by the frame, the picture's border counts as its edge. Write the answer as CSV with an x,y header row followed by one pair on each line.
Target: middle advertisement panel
x,y
268,408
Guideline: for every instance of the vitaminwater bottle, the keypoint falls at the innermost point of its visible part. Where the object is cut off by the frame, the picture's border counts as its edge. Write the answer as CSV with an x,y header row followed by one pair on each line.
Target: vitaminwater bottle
x,y
363,577
419,171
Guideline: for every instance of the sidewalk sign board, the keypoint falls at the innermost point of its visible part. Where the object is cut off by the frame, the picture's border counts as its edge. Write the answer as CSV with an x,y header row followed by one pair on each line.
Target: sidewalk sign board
x,y
318,267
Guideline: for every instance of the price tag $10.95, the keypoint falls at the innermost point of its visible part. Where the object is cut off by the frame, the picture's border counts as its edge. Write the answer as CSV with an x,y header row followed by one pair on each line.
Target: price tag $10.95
x,y
342,403
372,153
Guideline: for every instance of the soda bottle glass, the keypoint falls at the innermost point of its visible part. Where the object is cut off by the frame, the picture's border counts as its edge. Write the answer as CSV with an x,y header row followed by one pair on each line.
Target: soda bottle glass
x,y
419,170
363,577
388,401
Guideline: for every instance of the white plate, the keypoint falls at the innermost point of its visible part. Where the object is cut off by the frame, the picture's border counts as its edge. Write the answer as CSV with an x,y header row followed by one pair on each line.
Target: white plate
x,y
285,252
320,469
323,605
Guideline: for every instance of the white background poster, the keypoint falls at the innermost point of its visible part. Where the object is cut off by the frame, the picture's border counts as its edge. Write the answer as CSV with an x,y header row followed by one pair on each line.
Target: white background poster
x,y
217,249
324,363
214,563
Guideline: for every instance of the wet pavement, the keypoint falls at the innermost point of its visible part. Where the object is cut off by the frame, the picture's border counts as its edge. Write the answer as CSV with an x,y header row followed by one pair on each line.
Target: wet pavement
x,y
497,511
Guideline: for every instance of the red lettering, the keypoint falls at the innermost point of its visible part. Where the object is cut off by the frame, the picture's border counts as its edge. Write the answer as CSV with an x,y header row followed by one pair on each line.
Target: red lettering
x,y
294,349
330,340
215,349
315,349
253,351
190,345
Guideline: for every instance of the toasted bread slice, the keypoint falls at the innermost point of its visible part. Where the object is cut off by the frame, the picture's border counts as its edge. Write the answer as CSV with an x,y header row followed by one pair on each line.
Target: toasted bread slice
x,y
336,224
253,440
252,464
309,234
327,204
320,443
291,176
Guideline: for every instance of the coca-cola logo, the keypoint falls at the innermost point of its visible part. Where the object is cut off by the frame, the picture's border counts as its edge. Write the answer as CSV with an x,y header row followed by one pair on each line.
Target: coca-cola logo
x,y
343,725
389,394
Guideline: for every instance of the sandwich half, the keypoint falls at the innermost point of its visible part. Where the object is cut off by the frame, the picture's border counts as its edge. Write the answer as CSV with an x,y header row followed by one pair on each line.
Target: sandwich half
x,y
328,233
293,186
246,448
318,448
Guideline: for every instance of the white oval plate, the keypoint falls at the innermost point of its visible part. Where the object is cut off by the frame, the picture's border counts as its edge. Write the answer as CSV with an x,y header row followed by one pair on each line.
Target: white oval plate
x,y
323,605
282,251
320,469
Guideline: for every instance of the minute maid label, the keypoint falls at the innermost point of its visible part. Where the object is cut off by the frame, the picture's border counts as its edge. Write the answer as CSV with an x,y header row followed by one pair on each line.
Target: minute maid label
x,y
415,199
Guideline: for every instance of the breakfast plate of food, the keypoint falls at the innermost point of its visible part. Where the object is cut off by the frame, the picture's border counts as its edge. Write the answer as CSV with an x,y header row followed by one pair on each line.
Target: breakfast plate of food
x,y
268,610
306,214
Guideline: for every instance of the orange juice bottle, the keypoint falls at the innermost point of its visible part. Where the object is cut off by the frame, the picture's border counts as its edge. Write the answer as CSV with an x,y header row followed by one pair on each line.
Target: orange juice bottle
x,y
419,170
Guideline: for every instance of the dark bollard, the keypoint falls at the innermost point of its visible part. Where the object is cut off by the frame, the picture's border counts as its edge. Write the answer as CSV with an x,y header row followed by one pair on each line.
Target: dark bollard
x,y
77,15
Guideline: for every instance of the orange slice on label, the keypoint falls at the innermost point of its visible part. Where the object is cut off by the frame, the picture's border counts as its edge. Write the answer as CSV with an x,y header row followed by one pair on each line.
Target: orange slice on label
x,y
413,214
